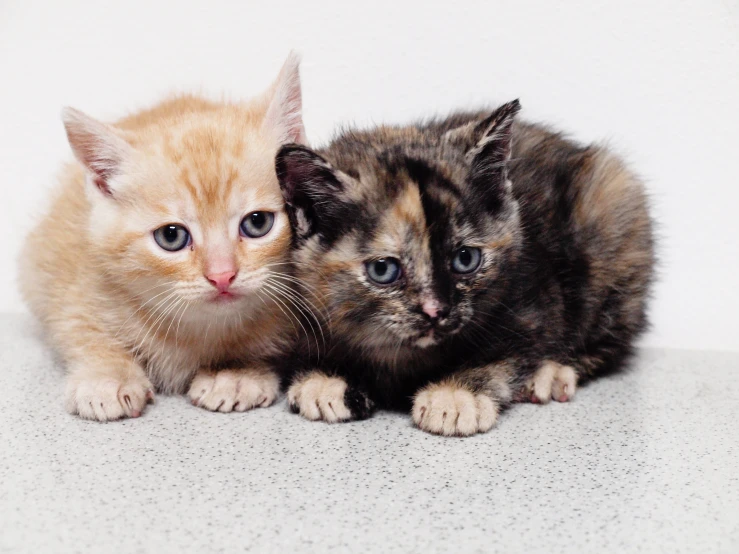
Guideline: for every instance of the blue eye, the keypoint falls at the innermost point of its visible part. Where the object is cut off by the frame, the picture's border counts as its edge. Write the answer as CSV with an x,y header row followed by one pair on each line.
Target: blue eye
x,y
466,259
383,271
172,237
257,224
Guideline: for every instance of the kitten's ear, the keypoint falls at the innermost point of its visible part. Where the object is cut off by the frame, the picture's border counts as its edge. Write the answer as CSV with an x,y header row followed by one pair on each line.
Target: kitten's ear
x,y
97,146
493,134
488,146
315,193
284,117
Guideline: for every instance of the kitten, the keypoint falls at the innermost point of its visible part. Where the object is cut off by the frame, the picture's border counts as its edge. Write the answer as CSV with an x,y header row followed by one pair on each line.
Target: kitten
x,y
161,260
462,262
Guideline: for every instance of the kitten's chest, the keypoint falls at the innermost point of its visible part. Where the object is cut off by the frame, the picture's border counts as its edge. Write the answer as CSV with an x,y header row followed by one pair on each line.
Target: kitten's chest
x,y
179,349
393,380
220,346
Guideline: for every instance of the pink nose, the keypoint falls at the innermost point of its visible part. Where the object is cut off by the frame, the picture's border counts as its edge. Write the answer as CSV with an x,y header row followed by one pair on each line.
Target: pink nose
x,y
434,309
221,281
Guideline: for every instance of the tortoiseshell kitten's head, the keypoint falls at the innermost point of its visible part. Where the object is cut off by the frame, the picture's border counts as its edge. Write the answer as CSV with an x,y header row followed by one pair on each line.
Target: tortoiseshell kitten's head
x,y
402,231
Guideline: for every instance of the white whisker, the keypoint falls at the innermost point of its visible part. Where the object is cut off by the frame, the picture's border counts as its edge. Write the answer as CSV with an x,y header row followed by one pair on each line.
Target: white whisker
x,y
297,303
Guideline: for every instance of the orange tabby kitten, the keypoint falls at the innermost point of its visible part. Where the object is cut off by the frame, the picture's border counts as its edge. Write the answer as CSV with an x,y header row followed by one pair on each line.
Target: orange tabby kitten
x,y
160,262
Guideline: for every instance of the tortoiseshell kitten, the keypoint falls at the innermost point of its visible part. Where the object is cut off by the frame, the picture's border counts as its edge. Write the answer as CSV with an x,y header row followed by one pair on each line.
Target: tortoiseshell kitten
x,y
460,263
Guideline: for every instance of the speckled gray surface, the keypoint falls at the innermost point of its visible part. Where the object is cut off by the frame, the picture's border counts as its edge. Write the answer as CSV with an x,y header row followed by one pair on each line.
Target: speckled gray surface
x,y
645,461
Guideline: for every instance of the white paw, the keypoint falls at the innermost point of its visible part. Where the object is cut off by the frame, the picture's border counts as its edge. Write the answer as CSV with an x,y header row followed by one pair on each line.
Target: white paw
x,y
551,380
448,409
95,395
319,397
234,390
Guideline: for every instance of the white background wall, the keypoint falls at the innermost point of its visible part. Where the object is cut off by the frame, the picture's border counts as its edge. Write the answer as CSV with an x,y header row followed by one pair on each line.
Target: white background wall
x,y
658,79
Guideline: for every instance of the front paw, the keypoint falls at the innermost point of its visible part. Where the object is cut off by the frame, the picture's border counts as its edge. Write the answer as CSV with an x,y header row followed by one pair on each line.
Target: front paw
x,y
234,390
317,396
551,380
451,410
107,396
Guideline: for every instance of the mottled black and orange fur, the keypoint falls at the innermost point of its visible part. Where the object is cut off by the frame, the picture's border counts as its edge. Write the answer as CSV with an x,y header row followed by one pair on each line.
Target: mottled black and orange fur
x,y
567,261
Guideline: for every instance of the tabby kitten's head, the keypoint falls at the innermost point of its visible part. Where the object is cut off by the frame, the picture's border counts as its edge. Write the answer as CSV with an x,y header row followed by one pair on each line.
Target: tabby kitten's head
x,y
185,208
402,231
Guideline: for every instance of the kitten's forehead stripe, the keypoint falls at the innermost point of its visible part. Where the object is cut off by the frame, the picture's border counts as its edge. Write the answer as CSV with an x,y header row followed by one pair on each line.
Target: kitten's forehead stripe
x,y
408,208
441,236
186,180
433,177
403,225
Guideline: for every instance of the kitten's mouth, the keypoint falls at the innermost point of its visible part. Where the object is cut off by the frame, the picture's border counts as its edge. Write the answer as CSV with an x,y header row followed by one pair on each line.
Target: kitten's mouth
x,y
224,297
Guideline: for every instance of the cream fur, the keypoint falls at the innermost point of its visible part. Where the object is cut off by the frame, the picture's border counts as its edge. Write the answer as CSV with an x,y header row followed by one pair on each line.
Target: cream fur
x,y
453,410
320,397
234,390
552,381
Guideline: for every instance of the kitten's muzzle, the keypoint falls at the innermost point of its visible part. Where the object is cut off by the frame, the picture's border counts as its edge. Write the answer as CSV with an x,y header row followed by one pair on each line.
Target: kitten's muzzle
x,y
439,325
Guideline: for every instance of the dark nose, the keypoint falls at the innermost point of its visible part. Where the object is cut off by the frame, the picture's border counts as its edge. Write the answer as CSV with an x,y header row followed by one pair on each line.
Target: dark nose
x,y
443,312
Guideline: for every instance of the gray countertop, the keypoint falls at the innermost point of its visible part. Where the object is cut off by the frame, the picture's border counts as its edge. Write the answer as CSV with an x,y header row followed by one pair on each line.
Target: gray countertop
x,y
646,460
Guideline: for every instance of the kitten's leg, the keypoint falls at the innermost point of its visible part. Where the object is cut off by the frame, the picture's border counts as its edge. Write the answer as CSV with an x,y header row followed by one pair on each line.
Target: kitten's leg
x,y
105,384
234,390
316,396
466,403
551,380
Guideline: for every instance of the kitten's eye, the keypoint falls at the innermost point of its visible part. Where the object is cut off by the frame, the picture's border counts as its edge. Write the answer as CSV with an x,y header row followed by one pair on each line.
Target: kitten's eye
x,y
383,271
257,224
172,237
466,260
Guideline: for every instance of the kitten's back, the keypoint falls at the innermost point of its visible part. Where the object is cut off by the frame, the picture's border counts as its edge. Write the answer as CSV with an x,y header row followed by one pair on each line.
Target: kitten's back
x,y
588,213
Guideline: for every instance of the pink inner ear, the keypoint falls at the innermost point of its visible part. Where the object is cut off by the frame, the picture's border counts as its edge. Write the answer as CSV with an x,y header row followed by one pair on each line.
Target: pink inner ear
x,y
285,112
294,113
102,185
101,168
97,146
